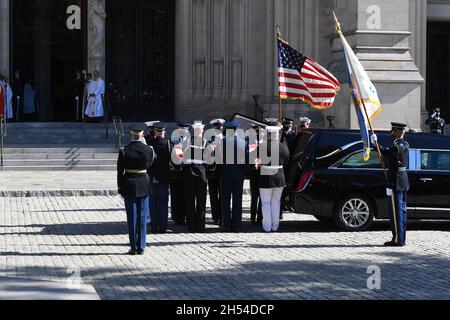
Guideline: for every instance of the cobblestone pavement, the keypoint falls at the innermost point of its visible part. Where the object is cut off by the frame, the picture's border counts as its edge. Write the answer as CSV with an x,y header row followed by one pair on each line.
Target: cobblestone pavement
x,y
51,238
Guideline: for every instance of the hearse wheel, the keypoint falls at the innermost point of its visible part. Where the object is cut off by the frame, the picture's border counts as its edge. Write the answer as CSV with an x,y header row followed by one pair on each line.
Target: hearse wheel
x,y
354,212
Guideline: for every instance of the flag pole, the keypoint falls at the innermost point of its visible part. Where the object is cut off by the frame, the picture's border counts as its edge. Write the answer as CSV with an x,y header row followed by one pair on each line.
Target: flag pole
x,y
339,31
376,142
280,107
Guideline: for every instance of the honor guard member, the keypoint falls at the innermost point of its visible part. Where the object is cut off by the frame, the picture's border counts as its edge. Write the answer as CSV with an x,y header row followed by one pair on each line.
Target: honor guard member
x,y
398,183
213,175
134,186
255,206
159,177
232,174
195,181
288,134
178,213
436,123
272,180
304,123
150,135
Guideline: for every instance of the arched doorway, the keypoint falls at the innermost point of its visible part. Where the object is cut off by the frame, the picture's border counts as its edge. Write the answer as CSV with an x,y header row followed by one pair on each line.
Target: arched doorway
x,y
48,52
140,40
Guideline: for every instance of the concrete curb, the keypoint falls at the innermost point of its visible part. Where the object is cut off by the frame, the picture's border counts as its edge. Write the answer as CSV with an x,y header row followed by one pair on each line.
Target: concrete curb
x,y
56,193
65,193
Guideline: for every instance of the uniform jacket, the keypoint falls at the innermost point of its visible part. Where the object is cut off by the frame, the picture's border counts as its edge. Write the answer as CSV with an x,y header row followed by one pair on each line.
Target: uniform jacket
x,y
234,171
289,139
398,156
161,166
212,170
194,167
134,156
274,177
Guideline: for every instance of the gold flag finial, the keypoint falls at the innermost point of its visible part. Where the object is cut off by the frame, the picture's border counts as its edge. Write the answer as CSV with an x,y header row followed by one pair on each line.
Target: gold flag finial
x,y
336,23
278,28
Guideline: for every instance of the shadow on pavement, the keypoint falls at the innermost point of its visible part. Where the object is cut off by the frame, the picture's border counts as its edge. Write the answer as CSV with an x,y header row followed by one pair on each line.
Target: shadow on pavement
x,y
118,228
421,277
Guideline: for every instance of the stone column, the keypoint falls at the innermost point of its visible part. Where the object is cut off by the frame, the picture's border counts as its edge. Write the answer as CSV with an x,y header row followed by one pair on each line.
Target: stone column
x,y
381,34
96,36
4,36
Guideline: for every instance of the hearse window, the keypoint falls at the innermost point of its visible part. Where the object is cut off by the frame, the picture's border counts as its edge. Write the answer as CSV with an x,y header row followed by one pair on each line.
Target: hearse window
x,y
435,160
357,161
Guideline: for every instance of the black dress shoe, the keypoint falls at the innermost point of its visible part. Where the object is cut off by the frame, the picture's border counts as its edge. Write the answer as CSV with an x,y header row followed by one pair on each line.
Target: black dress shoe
x,y
140,252
394,244
132,252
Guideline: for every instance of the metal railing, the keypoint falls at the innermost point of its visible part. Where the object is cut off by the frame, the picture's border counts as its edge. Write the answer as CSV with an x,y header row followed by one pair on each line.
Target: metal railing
x,y
118,128
3,134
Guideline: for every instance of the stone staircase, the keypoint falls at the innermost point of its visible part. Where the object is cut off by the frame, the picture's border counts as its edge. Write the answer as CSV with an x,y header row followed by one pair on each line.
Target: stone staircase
x,y
60,147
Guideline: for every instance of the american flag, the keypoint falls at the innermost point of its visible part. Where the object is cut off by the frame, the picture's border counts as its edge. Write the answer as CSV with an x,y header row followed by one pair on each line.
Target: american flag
x,y
302,78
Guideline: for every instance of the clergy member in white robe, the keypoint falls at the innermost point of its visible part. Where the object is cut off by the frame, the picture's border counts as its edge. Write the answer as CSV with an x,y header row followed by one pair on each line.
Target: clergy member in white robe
x,y
9,101
96,90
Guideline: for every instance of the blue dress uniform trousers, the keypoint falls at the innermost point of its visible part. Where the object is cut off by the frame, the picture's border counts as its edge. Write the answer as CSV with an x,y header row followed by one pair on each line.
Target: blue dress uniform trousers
x,y
159,207
137,209
398,216
232,219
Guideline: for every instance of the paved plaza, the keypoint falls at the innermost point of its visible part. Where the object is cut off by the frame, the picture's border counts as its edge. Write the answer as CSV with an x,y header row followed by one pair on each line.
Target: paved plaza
x,y
68,239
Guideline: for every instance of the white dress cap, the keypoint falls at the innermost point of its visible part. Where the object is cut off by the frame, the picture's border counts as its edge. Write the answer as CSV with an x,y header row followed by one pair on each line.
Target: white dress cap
x,y
273,129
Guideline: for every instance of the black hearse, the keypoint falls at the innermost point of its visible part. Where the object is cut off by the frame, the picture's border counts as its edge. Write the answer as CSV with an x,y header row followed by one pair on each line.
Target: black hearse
x,y
329,179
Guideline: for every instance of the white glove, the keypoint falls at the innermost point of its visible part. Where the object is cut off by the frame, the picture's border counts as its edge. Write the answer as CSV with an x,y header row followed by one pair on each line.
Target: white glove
x,y
389,192
374,139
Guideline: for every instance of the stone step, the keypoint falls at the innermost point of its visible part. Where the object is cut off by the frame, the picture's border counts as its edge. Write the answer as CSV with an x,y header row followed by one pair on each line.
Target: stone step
x,y
65,125
57,162
86,131
57,140
60,156
62,168
66,149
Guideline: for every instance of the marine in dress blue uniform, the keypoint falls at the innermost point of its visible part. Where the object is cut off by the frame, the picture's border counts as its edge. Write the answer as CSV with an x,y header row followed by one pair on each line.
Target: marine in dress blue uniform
x,y
398,183
159,177
134,185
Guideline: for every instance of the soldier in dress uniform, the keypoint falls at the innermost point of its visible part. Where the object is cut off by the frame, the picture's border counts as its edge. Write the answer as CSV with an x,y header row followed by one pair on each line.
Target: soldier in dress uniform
x,y
436,123
178,213
134,185
159,177
150,135
304,123
288,134
213,175
398,183
272,180
232,174
195,181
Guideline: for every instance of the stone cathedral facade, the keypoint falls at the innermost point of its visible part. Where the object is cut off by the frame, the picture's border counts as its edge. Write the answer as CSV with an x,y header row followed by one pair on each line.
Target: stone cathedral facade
x,y
201,59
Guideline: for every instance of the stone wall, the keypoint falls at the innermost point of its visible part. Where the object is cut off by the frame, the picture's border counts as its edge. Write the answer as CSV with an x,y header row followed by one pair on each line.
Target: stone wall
x,y
4,36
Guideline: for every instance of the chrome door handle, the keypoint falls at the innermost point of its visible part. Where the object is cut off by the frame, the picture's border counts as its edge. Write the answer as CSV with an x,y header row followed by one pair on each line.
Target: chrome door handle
x,y
426,179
